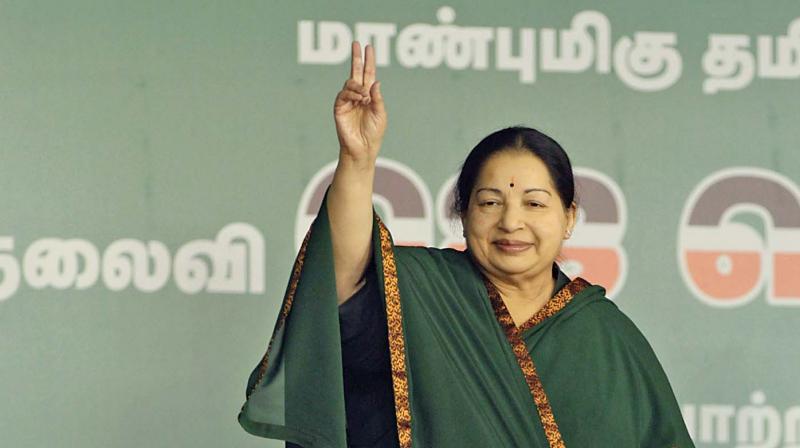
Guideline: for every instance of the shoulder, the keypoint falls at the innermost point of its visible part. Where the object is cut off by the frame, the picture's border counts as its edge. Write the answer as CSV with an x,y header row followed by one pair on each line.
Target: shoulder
x,y
601,319
420,256
602,337
441,266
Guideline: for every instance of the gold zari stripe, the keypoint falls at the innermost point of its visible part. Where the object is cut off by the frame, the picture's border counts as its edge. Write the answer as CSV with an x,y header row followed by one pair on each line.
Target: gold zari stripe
x,y
514,336
287,306
397,345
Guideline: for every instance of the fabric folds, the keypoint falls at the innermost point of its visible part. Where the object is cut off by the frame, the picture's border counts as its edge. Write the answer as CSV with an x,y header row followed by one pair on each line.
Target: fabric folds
x,y
452,356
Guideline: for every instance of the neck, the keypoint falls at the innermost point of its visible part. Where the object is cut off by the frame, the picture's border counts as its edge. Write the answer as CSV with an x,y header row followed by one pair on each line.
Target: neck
x,y
536,288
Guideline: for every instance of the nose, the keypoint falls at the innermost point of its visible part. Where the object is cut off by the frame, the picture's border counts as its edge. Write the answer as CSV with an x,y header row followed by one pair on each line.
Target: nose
x,y
511,219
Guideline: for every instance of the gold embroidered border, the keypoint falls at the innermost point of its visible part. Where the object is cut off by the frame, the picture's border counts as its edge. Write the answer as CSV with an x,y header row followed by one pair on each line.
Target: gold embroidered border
x,y
556,303
513,334
287,306
397,349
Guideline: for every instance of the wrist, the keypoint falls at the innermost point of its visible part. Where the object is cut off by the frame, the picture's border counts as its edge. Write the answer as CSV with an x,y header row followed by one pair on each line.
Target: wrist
x,y
361,163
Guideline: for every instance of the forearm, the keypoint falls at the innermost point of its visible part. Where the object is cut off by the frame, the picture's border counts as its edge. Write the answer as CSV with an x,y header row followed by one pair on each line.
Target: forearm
x,y
360,119
350,216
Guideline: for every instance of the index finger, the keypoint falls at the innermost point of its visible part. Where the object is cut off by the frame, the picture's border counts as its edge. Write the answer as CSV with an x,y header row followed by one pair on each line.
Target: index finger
x,y
356,64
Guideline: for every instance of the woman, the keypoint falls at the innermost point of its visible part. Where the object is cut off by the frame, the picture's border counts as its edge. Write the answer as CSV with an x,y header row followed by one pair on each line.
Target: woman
x,y
491,347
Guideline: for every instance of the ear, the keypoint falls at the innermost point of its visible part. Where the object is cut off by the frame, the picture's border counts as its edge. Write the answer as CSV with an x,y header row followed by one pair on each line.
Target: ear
x,y
572,216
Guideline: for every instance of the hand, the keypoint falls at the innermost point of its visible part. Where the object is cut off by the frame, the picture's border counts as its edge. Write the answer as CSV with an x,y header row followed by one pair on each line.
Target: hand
x,y
359,111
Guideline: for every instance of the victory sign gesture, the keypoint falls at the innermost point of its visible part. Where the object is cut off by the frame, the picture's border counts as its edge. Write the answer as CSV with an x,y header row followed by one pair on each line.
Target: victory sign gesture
x,y
360,123
359,110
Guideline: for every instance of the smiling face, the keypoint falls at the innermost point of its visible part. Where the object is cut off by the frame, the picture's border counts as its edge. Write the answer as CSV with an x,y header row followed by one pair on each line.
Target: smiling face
x,y
515,223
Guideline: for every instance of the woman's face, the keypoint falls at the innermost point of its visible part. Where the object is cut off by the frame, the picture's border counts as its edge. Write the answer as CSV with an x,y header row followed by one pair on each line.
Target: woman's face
x,y
515,222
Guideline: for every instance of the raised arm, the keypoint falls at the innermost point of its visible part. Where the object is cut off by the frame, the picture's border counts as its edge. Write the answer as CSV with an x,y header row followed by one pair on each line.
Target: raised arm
x,y
360,124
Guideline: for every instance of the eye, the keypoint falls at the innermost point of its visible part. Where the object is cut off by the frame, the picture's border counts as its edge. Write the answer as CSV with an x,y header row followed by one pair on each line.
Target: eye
x,y
535,204
488,203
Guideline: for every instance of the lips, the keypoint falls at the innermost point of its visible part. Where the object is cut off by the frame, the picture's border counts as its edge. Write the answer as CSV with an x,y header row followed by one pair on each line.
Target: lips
x,y
512,245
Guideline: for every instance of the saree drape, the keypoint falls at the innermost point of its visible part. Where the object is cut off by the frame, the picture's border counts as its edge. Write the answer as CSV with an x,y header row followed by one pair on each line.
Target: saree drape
x,y
578,373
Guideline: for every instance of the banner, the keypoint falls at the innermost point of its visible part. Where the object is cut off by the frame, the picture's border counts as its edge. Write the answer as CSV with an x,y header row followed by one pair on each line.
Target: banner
x,y
161,162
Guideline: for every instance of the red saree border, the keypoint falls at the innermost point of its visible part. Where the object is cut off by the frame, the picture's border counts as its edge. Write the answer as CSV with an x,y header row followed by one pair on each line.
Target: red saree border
x,y
288,299
524,359
397,345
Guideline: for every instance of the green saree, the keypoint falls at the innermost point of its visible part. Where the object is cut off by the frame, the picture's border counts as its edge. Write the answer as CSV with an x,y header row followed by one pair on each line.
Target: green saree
x,y
577,374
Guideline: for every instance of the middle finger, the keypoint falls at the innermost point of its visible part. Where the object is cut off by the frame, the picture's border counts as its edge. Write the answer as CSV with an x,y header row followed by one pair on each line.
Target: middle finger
x,y
369,66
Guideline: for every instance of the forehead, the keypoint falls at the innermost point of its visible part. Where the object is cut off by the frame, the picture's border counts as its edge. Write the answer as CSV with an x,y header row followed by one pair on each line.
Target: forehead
x,y
520,167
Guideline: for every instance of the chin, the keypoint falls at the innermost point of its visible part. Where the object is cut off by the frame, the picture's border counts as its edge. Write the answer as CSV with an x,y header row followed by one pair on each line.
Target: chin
x,y
513,268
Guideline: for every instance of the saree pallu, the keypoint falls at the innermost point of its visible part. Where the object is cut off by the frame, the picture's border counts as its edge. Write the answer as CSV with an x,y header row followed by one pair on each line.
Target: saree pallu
x,y
578,373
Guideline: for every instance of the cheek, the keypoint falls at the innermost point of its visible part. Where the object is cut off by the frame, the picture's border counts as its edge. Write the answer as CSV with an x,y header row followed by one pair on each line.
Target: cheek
x,y
471,233
478,226
478,242
469,222
550,232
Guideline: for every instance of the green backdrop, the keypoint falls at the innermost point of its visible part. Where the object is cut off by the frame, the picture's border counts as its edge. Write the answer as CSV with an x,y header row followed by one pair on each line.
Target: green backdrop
x,y
158,160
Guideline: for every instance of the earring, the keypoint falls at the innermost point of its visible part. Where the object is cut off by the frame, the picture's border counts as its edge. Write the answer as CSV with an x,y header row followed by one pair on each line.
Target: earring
x,y
569,234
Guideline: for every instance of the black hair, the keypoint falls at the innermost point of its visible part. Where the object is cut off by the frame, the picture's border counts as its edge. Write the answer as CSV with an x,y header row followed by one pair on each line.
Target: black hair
x,y
516,138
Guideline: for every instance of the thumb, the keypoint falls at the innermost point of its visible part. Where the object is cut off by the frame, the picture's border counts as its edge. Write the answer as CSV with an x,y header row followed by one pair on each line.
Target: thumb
x,y
377,99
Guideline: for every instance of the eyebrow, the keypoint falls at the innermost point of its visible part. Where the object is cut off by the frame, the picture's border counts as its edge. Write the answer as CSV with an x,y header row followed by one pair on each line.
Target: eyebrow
x,y
498,191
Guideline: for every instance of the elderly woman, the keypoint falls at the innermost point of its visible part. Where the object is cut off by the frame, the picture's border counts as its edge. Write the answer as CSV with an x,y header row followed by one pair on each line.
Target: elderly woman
x,y
490,347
